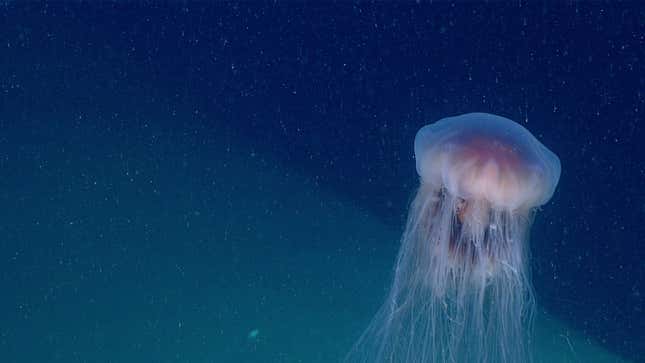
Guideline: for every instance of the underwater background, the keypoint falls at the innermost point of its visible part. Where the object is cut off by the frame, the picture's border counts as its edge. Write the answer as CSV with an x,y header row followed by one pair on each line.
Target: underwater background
x,y
227,182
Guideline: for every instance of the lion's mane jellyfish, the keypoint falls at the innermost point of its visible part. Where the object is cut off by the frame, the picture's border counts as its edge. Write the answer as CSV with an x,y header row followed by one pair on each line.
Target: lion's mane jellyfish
x,y
461,290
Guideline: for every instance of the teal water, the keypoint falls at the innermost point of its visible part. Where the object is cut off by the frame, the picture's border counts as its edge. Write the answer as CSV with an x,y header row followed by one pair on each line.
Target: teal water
x,y
157,248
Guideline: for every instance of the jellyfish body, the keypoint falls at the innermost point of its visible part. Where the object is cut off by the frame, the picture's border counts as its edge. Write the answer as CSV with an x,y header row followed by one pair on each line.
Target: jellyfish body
x,y
461,290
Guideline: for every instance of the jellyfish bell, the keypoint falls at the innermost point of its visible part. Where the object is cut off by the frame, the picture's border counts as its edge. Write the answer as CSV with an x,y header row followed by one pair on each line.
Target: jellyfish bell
x,y
487,157
461,290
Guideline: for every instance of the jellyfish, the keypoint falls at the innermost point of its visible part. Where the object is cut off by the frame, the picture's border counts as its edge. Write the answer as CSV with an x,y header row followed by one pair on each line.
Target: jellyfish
x,y
461,290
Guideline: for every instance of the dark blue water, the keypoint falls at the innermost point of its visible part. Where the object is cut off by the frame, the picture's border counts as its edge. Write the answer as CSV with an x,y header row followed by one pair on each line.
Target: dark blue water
x,y
100,101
